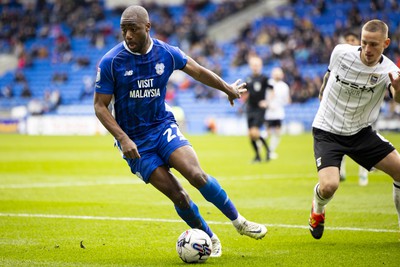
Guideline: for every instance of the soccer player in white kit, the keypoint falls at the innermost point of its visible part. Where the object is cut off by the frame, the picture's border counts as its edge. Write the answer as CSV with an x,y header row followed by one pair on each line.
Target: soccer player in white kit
x,y
277,99
356,82
352,38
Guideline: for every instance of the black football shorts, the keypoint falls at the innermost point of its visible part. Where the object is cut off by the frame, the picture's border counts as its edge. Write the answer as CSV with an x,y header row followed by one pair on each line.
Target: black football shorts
x,y
255,117
367,148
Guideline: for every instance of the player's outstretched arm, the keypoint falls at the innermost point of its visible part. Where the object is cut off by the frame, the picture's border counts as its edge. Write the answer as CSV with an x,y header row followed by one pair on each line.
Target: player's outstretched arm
x,y
395,86
128,147
211,79
324,81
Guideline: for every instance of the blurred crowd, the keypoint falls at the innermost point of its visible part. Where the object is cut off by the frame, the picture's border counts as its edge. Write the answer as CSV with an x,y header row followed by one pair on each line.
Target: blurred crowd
x,y
54,24
61,21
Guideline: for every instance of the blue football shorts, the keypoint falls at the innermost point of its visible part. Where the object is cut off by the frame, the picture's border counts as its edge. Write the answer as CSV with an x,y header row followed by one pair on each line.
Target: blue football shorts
x,y
155,150
367,148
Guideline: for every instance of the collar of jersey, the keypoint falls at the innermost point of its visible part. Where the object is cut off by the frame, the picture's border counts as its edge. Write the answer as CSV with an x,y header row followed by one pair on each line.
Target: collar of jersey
x,y
138,54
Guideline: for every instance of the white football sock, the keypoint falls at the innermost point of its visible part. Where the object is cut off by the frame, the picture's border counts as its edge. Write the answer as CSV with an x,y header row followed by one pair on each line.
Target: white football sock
x,y
343,167
396,198
238,221
319,202
274,142
362,172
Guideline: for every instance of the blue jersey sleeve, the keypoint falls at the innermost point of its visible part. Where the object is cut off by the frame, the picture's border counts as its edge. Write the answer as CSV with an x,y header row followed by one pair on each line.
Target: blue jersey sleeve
x,y
104,79
180,58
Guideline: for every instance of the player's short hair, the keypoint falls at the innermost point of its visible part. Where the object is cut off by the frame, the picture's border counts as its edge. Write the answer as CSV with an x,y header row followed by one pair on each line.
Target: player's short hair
x,y
137,12
376,25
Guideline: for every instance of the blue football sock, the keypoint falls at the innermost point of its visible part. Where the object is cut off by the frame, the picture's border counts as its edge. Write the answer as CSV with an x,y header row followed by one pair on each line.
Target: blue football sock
x,y
193,218
213,192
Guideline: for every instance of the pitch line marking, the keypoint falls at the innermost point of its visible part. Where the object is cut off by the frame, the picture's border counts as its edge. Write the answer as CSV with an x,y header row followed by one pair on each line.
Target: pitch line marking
x,y
70,184
135,180
133,219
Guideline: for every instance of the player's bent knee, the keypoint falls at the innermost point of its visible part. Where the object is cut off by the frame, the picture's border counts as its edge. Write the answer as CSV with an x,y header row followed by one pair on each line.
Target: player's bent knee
x,y
198,179
328,190
396,176
181,199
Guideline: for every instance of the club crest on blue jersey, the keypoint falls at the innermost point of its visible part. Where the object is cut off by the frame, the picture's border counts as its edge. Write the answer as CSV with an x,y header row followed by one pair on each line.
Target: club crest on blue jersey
x,y
160,68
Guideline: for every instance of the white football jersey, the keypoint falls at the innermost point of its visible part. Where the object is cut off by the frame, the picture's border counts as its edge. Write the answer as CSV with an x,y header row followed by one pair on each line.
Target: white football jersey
x,y
354,92
281,97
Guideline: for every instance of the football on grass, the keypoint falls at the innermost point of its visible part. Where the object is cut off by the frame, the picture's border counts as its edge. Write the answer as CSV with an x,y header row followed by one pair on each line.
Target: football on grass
x,y
194,246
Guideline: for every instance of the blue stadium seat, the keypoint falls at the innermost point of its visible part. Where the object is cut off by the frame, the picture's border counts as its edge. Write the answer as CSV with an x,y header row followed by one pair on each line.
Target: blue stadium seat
x,y
40,75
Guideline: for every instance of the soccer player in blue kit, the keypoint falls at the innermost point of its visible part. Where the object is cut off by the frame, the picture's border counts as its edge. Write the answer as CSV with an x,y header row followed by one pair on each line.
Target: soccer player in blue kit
x,y
132,77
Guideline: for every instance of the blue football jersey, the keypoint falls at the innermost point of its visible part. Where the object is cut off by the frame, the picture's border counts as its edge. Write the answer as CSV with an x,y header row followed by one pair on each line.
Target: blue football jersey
x,y
138,84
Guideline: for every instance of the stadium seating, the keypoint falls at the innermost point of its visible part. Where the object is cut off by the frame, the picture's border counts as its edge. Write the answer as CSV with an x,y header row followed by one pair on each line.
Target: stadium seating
x,y
39,75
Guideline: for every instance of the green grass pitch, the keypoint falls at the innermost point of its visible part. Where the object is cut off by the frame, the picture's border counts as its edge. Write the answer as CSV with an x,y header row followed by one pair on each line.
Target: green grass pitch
x,y
72,201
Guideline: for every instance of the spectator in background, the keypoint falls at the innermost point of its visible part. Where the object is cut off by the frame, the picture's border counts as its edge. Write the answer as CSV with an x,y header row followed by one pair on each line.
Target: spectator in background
x,y
304,43
20,77
40,52
63,48
97,40
52,99
26,91
81,62
87,87
35,107
23,60
354,16
59,77
241,56
7,91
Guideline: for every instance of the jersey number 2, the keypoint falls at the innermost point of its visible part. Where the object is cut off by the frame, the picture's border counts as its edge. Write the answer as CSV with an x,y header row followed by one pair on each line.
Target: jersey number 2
x,y
173,132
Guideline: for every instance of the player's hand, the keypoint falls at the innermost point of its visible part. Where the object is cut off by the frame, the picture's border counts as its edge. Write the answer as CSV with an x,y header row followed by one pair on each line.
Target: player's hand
x,y
129,149
395,81
263,104
237,91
